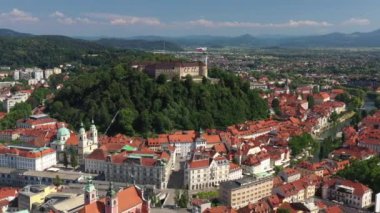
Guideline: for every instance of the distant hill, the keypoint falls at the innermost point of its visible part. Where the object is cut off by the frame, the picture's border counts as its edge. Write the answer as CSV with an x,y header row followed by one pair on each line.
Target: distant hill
x,y
370,39
205,40
43,50
139,44
8,32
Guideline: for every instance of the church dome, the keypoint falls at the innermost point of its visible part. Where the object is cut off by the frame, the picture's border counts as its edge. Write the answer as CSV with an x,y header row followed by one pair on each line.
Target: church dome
x,y
62,132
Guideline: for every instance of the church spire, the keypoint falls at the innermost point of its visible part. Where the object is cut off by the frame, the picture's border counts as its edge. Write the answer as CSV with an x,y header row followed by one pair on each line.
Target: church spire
x,y
110,191
89,192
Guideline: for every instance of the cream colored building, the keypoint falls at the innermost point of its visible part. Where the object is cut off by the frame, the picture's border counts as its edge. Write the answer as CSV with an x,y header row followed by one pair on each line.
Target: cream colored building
x,y
180,69
353,194
132,166
239,193
206,173
34,195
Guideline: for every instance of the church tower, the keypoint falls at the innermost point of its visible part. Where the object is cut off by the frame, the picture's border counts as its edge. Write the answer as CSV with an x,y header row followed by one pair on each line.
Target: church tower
x,y
94,133
83,144
90,193
111,200
82,135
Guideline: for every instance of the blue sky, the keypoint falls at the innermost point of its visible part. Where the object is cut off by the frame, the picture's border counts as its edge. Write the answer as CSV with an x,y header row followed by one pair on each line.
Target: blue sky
x,y
123,18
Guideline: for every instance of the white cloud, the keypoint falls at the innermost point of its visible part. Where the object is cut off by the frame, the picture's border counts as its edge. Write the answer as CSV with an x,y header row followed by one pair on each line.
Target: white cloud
x,y
306,23
17,15
116,19
58,14
64,19
357,21
208,23
236,24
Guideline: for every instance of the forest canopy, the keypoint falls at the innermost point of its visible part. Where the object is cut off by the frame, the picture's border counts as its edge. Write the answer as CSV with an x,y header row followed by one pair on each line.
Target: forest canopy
x,y
147,106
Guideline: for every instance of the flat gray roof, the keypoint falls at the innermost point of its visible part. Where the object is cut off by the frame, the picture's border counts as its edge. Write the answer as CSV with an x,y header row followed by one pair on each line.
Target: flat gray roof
x,y
245,181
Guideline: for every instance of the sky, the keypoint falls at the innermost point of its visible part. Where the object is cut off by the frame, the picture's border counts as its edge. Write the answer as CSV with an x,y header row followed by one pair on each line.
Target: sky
x,y
126,18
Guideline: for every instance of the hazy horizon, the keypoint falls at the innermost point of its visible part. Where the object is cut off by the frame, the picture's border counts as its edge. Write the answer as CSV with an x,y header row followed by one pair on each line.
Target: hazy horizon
x,y
127,18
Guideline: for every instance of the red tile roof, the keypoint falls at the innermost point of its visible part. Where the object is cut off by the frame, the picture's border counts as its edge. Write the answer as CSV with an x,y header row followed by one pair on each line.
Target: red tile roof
x,y
195,164
260,206
334,209
97,154
25,153
359,189
211,139
128,199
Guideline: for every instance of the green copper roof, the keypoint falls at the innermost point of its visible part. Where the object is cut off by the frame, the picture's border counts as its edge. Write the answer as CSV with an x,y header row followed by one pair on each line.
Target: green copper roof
x,y
89,187
63,131
128,148
111,192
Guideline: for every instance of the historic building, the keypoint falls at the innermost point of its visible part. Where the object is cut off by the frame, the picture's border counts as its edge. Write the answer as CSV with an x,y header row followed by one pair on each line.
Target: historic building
x,y
19,157
180,69
130,199
208,172
130,165
67,142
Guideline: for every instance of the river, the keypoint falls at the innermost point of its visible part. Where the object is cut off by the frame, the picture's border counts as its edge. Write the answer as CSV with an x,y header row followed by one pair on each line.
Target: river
x,y
333,131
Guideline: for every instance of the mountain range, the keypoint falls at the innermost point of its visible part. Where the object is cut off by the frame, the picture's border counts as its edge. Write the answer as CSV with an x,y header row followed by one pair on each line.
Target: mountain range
x,y
332,40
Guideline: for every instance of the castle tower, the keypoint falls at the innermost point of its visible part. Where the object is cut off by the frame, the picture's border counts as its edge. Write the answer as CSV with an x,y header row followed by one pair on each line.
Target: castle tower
x,y
111,200
205,68
94,133
90,193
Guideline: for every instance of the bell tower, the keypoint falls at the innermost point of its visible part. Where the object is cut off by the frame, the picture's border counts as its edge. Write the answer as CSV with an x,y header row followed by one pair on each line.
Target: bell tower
x,y
111,200
94,133
90,193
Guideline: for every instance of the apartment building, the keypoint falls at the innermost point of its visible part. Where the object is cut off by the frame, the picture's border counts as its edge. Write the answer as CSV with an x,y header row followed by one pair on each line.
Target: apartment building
x,y
18,97
241,192
351,193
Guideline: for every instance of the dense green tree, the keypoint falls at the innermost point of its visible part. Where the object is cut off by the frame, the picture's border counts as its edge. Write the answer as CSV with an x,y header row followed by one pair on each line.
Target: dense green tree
x,y
20,110
57,181
275,103
146,106
65,159
334,117
73,160
278,169
344,97
310,101
298,144
184,199
366,172
328,145
162,79
283,210
38,96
